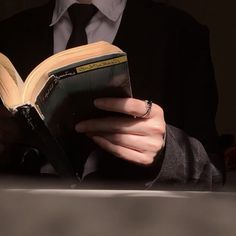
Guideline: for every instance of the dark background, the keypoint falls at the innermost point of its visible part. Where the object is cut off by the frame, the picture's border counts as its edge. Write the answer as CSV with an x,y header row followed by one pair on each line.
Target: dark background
x,y
220,18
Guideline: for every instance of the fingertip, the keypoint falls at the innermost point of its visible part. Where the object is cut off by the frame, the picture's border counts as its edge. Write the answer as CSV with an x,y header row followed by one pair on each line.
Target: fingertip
x,y
79,128
98,140
98,102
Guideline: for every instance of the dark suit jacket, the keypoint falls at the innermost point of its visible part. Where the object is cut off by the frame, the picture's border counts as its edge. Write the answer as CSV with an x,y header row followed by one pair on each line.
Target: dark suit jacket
x,y
170,63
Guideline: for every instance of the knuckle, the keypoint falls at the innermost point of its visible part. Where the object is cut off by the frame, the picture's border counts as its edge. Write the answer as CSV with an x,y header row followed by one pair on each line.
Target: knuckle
x,y
146,160
159,109
154,145
159,146
158,128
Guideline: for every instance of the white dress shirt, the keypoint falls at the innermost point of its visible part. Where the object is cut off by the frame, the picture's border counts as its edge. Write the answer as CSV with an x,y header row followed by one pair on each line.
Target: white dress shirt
x,y
103,25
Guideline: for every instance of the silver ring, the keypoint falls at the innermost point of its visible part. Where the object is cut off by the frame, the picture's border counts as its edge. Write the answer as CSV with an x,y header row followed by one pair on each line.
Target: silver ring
x,y
148,105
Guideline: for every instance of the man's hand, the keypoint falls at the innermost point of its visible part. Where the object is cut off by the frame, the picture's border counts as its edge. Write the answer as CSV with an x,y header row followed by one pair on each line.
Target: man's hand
x,y
137,140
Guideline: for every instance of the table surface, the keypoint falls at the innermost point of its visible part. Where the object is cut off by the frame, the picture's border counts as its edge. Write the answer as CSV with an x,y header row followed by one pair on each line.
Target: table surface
x,y
116,212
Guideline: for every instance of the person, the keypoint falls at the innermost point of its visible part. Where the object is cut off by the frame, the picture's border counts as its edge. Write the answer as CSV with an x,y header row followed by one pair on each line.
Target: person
x,y
170,64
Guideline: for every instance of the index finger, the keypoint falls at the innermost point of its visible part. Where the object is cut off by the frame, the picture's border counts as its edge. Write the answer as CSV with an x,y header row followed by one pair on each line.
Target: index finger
x,y
130,106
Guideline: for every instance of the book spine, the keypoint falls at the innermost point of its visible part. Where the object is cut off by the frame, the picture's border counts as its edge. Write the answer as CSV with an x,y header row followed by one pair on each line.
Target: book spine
x,y
47,144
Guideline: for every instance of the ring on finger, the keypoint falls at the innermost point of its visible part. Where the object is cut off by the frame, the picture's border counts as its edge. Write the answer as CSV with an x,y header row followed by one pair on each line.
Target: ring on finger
x,y
148,106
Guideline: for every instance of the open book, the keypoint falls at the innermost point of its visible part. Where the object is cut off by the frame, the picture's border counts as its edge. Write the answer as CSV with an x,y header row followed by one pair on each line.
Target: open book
x,y
60,92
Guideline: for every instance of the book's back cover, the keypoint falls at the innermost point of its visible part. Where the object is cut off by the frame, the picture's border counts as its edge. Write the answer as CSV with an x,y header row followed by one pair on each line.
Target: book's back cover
x,y
68,98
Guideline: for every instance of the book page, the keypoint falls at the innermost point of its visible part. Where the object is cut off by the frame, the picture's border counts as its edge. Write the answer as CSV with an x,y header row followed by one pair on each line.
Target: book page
x,y
11,84
9,91
5,62
39,76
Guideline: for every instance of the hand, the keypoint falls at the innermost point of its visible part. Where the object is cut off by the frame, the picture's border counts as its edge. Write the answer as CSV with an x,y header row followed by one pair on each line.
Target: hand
x,y
137,140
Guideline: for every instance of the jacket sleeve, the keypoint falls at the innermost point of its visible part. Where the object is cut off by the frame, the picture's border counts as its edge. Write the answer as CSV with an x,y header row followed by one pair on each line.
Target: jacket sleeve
x,y
185,165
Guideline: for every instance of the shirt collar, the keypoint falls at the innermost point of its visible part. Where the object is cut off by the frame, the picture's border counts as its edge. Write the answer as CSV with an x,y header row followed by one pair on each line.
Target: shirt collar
x,y
112,9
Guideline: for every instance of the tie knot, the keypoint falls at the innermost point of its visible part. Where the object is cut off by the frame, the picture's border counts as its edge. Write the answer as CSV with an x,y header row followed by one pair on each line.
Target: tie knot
x,y
81,14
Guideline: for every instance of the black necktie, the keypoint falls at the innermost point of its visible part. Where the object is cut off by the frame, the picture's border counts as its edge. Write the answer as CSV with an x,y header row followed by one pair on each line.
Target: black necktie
x,y
80,15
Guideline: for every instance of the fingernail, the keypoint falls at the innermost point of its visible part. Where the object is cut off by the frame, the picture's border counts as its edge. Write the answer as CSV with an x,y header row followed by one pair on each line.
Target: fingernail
x,y
98,102
96,139
80,128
